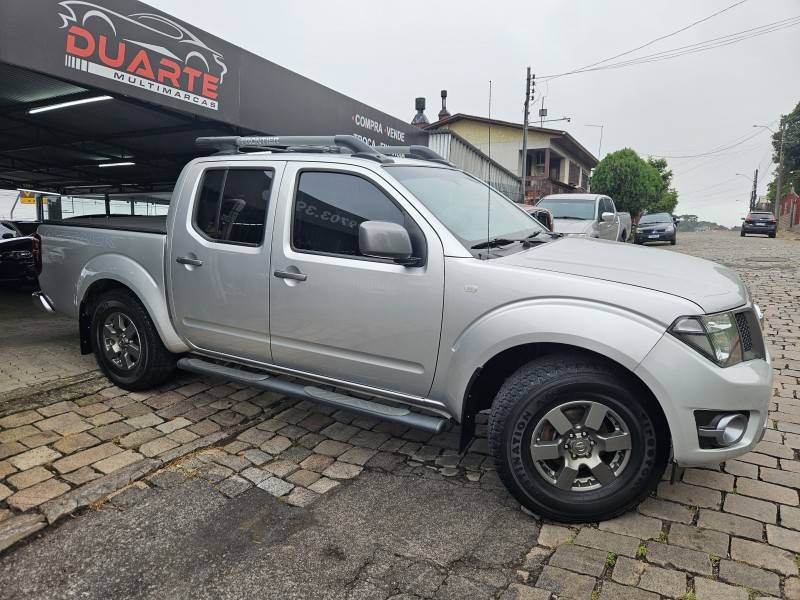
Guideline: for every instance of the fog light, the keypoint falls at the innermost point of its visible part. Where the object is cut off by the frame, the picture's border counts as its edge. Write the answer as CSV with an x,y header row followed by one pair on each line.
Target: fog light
x,y
724,430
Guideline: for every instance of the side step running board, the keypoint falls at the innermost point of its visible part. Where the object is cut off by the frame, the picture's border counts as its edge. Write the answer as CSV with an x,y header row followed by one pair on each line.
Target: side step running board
x,y
263,381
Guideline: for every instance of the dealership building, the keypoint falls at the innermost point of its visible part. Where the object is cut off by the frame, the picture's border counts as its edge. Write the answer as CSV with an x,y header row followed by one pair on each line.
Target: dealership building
x,y
107,99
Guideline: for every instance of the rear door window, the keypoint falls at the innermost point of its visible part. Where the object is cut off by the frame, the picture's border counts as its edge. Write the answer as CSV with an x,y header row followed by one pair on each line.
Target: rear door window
x,y
232,205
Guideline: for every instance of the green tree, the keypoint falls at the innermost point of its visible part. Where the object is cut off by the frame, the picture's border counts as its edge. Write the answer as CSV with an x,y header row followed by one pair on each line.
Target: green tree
x,y
669,196
634,184
791,154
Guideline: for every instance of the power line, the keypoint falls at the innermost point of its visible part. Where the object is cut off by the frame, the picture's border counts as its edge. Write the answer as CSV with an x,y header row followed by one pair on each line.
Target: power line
x,y
703,46
663,37
716,150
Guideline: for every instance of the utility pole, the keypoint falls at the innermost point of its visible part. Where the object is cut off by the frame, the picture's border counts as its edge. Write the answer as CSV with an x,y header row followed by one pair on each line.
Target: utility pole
x,y
753,194
600,145
529,84
780,172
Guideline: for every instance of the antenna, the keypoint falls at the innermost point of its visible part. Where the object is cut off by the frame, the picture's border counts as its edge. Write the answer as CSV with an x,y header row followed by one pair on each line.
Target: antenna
x,y
488,178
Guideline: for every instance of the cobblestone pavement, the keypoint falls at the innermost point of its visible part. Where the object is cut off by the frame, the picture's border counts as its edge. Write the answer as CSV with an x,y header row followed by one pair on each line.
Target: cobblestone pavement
x,y
222,491
35,348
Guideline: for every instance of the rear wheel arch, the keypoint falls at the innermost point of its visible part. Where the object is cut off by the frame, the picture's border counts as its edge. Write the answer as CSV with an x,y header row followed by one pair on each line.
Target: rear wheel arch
x,y
90,297
487,380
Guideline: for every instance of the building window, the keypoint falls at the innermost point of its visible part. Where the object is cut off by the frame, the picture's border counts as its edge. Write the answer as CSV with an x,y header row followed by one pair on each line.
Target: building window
x,y
574,174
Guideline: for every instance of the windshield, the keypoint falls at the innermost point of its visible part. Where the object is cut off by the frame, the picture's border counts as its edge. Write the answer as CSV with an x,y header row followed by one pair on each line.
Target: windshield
x,y
656,218
460,202
569,209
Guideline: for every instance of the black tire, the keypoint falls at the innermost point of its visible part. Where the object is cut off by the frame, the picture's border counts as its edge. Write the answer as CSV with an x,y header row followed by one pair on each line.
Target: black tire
x,y
624,236
673,241
772,235
742,234
548,382
155,364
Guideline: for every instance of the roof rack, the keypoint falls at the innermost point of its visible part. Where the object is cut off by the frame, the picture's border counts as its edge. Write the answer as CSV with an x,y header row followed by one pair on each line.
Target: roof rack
x,y
418,152
292,143
235,144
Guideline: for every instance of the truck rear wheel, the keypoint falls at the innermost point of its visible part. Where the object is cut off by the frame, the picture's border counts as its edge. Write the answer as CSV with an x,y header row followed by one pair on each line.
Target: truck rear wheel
x,y
574,441
126,345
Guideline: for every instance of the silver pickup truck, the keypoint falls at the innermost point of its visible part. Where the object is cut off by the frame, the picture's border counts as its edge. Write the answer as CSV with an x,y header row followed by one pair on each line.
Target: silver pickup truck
x,y
422,296
587,215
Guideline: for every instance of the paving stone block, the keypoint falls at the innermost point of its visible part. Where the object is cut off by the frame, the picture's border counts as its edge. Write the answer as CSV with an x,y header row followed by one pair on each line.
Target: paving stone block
x,y
749,577
237,463
766,491
664,581
235,447
138,437
182,436
19,419
204,428
729,523
6,469
605,540
614,591
34,458
255,436
90,410
784,478
281,468
301,497
761,460
17,528
117,461
690,494
634,525
5,492
255,475
26,479
332,448
341,470
57,408
666,555
112,431
705,540
782,538
565,583
764,556
275,486
234,486
14,435
161,401
323,485
628,571
589,561
276,445
358,456
202,442
148,419
710,479
303,478
40,439
339,431
157,446
86,457
317,462
741,469
257,457
554,535
174,425
750,507
81,476
65,424
705,589
105,418
791,588
668,511
772,449
790,517
35,495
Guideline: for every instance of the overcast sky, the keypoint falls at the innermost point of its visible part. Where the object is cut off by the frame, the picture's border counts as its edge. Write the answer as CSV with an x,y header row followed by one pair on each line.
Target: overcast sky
x,y
386,54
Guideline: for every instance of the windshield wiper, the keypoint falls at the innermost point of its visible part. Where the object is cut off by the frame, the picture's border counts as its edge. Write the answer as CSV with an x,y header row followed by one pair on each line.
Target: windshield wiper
x,y
571,217
498,241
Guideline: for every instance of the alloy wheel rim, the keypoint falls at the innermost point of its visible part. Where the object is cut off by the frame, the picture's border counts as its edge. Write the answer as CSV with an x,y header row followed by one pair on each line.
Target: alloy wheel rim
x,y
581,446
121,343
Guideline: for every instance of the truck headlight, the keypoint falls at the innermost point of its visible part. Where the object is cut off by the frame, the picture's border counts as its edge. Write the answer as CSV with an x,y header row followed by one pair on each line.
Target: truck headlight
x,y
583,235
714,336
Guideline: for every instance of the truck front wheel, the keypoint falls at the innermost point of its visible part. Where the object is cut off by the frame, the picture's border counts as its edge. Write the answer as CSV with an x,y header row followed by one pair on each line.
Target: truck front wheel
x,y
574,441
126,344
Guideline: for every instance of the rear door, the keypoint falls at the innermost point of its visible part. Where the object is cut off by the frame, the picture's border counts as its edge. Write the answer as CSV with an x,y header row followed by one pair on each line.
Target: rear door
x,y
219,259
336,313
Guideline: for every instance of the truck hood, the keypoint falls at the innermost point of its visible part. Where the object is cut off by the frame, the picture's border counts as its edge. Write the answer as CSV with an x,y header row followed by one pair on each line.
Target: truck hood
x,y
572,226
711,286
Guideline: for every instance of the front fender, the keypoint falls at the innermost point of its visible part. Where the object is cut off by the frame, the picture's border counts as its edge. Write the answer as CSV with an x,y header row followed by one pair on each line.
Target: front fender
x,y
623,336
134,276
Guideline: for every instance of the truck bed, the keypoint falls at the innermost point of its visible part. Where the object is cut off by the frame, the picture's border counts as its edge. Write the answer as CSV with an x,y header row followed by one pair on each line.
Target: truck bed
x,y
140,223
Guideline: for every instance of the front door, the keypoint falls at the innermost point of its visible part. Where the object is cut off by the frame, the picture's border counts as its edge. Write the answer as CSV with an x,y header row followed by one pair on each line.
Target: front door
x,y
607,230
219,262
339,314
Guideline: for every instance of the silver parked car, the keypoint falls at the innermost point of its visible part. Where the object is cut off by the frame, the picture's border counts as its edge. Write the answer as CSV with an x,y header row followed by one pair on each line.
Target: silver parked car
x,y
379,275
587,215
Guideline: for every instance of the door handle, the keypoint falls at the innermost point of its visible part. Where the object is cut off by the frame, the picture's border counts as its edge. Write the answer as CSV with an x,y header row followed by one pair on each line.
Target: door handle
x,y
290,275
185,260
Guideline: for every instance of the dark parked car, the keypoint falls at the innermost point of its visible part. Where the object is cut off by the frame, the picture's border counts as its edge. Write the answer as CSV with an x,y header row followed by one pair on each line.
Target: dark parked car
x,y
16,255
658,227
762,222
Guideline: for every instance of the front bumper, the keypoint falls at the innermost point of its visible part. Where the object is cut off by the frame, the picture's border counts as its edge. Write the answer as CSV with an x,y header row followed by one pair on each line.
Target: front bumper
x,y
684,381
652,236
